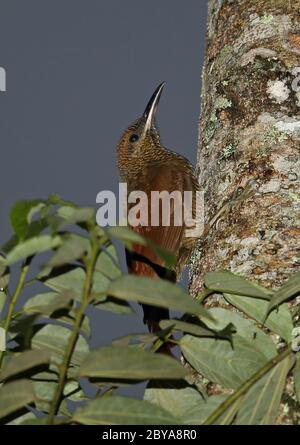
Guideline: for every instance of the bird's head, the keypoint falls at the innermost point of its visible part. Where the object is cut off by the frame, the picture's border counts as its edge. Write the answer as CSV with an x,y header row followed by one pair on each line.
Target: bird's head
x,y
140,140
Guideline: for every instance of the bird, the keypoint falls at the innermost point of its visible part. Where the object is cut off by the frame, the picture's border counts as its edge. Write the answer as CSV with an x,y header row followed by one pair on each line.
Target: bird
x,y
145,164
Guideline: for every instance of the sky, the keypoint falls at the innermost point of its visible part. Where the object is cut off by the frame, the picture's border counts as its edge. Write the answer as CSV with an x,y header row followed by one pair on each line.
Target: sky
x,y
77,74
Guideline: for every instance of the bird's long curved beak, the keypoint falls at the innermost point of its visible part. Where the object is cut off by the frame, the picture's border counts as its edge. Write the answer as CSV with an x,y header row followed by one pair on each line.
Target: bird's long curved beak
x,y
150,110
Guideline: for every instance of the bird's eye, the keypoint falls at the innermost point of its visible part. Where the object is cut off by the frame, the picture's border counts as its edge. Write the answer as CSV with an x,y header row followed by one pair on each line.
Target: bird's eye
x,y
133,138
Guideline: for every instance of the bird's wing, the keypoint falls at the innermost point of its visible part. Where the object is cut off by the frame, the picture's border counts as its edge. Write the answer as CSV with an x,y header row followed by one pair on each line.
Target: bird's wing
x,y
160,177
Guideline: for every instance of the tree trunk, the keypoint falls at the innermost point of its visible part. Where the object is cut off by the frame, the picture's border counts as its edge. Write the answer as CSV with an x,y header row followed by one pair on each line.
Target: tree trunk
x,y
249,138
249,135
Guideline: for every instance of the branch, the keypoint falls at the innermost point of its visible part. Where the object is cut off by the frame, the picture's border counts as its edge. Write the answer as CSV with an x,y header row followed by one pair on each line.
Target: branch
x,y
75,332
14,300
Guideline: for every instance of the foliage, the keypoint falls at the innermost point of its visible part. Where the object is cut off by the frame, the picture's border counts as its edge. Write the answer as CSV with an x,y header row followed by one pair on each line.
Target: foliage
x,y
249,346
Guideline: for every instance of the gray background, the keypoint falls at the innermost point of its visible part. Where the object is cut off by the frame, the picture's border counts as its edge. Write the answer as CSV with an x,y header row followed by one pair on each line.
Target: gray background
x,y
78,72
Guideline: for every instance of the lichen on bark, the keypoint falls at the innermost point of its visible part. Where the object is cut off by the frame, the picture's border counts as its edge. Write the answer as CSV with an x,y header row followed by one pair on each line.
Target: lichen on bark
x,y
249,136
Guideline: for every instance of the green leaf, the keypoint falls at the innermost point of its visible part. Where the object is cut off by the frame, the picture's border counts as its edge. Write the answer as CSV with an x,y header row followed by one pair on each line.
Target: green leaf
x,y
29,416
53,304
175,397
156,292
36,421
73,391
55,199
219,362
21,213
224,281
14,396
196,415
23,326
296,374
129,238
261,403
100,285
4,276
129,339
48,302
72,280
244,328
121,362
72,248
290,289
7,247
2,301
73,215
63,409
31,247
108,263
279,322
36,227
42,421
24,361
44,386
197,329
54,339
168,257
216,361
117,410
112,304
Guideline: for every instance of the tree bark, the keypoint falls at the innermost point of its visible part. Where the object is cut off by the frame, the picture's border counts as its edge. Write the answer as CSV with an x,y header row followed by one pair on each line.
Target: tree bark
x,y
249,135
249,139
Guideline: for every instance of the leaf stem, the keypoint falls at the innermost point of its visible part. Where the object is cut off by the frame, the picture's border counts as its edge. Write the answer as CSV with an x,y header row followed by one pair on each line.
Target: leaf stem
x,y
247,385
14,300
29,282
90,266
